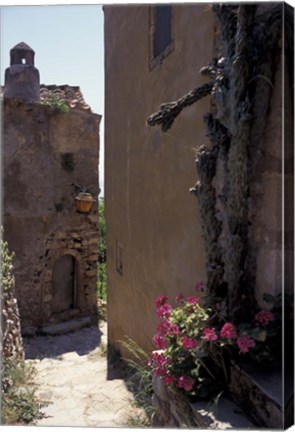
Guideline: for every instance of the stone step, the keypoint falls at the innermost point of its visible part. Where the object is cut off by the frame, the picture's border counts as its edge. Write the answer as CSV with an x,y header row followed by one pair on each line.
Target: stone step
x,y
225,414
66,327
172,410
259,390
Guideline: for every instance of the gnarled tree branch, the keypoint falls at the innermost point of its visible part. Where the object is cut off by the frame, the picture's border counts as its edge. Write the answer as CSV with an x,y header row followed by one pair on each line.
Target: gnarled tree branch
x,y
169,111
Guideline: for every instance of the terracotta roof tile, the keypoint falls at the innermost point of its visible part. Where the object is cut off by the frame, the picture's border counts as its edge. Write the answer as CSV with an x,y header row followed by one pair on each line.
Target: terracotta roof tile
x,y
71,94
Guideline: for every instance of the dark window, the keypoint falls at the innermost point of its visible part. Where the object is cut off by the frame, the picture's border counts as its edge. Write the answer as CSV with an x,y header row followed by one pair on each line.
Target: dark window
x,y
119,258
163,28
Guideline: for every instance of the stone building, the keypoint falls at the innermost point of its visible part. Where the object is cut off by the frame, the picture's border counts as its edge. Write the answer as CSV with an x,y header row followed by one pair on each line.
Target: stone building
x,y
153,54
48,153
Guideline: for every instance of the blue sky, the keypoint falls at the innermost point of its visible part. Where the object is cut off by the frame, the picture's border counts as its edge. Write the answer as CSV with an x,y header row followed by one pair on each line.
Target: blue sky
x,y
68,44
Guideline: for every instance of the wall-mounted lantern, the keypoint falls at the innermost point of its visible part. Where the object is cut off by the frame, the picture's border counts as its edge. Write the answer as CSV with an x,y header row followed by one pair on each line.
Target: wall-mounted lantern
x,y
84,202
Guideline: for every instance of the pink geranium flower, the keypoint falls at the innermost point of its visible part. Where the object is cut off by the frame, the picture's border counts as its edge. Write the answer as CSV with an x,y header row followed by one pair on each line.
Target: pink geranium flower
x,y
160,371
152,357
193,300
159,361
228,331
163,327
245,342
168,328
186,383
160,301
168,380
164,311
209,334
199,286
264,317
173,330
160,341
179,298
189,343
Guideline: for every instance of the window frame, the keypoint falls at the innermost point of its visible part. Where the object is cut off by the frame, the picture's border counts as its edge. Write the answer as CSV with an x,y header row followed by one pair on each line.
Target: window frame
x,y
158,60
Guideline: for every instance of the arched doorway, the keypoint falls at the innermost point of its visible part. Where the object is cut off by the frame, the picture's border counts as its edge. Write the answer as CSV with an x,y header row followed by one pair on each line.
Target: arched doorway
x,y
64,284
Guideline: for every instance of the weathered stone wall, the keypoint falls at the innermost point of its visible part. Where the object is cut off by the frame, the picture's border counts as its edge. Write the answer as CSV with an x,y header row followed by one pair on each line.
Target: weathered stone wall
x,y
44,154
152,219
11,339
174,410
171,410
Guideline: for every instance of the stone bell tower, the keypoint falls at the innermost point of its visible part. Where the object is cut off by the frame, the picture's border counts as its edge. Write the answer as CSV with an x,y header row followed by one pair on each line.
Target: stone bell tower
x,y
22,79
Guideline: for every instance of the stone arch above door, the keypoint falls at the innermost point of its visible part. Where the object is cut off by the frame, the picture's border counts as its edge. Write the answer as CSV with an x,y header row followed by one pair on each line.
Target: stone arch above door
x,y
55,301
81,247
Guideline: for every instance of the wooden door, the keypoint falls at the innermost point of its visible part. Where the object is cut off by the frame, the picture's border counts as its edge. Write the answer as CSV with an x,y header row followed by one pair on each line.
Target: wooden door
x,y
63,284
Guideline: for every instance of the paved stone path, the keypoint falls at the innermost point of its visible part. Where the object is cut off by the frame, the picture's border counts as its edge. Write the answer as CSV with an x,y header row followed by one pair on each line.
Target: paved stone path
x,y
72,375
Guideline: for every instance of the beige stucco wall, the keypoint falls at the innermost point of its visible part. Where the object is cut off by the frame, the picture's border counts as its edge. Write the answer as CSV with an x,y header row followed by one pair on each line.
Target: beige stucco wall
x,y
149,209
39,214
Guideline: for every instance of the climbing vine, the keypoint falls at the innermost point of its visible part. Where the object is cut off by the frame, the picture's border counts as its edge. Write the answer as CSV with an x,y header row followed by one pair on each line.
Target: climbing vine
x,y
241,83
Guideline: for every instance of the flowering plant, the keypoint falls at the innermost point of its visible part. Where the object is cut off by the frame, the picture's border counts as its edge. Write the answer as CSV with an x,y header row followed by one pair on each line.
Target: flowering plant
x,y
192,350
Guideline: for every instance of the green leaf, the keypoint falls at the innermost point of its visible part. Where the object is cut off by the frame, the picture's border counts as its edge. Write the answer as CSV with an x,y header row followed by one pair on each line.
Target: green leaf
x,y
259,334
268,298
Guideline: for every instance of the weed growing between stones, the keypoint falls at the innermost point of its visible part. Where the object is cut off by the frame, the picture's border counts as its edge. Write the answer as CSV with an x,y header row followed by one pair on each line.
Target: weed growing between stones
x,y
60,106
102,253
140,382
103,349
102,310
102,281
20,405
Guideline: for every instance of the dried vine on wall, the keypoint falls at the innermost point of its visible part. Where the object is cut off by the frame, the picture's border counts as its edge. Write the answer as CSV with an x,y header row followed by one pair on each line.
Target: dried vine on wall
x,y
241,84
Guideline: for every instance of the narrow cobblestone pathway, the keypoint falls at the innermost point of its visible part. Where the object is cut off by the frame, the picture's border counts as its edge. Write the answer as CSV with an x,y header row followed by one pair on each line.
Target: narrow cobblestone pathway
x,y
72,375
